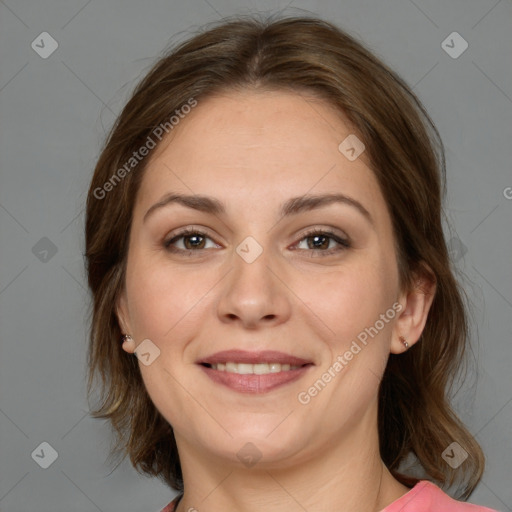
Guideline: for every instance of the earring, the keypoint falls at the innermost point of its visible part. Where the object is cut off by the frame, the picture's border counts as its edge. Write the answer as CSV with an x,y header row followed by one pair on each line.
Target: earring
x,y
404,342
126,337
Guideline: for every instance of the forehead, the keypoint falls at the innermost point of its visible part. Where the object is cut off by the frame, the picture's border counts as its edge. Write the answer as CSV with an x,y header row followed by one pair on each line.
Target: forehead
x,y
263,145
293,122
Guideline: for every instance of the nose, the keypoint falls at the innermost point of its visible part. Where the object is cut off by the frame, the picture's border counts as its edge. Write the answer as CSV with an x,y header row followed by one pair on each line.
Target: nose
x,y
254,294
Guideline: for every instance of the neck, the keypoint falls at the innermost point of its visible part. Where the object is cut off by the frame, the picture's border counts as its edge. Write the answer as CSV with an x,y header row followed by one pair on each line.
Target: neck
x,y
347,475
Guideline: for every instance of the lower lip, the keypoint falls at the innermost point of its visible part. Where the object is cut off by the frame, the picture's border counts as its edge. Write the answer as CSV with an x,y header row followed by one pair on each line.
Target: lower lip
x,y
252,383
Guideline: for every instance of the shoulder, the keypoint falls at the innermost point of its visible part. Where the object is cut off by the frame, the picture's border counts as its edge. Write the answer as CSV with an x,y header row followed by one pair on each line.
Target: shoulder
x,y
171,506
423,497
428,497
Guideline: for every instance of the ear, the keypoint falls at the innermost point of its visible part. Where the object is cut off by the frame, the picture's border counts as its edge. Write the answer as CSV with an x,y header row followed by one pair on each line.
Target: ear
x,y
123,319
416,304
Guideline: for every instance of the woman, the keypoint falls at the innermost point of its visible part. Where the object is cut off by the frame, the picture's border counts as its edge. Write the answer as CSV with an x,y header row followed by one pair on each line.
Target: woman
x,y
264,236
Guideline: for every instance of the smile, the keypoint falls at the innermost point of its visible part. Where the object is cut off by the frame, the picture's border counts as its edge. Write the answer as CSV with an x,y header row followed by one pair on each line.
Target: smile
x,y
253,372
256,369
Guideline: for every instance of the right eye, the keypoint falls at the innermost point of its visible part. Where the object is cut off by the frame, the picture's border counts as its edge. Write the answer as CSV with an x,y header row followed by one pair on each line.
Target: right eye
x,y
192,240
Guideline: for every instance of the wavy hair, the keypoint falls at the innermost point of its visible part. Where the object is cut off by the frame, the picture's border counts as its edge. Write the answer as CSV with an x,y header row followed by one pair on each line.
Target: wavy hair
x,y
406,154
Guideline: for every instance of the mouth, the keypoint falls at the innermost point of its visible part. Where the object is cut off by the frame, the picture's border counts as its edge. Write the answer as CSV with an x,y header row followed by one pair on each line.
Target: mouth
x,y
252,369
254,372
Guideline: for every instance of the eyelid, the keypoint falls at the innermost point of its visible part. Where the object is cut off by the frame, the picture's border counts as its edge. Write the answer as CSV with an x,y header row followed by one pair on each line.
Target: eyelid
x,y
189,230
342,239
326,230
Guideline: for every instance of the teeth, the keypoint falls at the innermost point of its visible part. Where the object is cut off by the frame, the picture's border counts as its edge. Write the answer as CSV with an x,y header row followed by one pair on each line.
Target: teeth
x,y
257,369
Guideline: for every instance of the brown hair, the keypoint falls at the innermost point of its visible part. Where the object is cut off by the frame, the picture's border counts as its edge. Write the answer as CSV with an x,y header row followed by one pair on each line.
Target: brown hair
x,y
407,157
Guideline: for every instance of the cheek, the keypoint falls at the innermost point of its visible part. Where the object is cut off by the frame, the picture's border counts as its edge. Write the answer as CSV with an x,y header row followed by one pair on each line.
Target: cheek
x,y
350,299
162,298
356,303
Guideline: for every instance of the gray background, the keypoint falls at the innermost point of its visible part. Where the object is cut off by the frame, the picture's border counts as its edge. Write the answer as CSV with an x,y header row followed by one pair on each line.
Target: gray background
x,y
55,112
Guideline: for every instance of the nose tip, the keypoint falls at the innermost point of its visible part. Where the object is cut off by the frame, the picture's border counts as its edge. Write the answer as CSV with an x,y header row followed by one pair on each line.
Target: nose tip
x,y
252,294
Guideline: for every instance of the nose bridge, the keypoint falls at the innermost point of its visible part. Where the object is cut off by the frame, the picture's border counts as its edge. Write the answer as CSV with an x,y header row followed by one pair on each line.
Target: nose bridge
x,y
253,292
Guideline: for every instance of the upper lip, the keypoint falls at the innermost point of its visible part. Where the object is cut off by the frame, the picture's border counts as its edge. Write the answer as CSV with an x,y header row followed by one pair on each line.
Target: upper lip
x,y
242,356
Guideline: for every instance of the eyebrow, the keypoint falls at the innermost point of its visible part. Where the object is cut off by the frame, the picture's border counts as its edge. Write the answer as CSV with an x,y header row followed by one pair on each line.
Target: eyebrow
x,y
292,206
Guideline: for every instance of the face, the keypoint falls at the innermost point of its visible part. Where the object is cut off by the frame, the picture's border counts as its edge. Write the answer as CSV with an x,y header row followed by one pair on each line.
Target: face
x,y
270,320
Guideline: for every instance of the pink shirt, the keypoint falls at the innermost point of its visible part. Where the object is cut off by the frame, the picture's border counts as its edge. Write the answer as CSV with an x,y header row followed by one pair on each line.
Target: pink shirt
x,y
423,497
428,497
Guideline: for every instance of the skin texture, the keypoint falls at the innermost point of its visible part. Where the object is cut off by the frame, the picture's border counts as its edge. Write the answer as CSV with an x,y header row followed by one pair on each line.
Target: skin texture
x,y
254,150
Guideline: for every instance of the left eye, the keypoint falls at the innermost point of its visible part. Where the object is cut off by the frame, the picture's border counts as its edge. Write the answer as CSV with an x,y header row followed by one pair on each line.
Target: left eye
x,y
321,242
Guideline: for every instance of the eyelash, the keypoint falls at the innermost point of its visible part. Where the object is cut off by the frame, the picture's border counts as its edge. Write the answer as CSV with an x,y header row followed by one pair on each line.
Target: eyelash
x,y
343,243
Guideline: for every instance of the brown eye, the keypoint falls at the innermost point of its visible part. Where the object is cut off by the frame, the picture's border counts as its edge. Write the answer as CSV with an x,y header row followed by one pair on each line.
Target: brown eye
x,y
192,240
322,241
